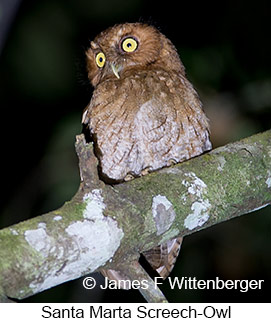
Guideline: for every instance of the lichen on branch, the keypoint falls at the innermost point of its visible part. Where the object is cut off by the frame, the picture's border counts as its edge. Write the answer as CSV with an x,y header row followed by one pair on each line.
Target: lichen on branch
x,y
106,226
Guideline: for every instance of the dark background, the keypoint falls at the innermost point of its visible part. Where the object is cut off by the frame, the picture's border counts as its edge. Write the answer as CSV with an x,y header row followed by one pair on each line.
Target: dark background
x,y
225,47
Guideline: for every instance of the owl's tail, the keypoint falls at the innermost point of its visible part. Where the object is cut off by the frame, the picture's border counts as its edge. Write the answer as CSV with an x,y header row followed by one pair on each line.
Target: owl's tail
x,y
163,257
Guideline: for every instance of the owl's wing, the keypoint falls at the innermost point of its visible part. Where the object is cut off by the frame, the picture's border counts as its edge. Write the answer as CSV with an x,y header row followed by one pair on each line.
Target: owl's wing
x,y
171,126
110,118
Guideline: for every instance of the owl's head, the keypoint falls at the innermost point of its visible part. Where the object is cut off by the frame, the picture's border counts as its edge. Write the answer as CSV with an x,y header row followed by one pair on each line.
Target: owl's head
x,y
128,47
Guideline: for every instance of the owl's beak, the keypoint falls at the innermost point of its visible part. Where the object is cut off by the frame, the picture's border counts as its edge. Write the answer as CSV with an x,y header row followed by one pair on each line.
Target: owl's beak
x,y
115,69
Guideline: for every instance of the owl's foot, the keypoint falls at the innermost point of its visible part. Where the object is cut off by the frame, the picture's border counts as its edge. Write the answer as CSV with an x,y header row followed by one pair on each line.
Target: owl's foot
x,y
171,162
128,177
145,171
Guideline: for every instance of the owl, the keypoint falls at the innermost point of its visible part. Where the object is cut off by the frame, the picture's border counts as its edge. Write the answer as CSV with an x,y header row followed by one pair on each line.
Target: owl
x,y
144,114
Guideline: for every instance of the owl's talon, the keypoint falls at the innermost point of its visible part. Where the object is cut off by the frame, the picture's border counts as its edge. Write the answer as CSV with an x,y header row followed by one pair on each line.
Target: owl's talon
x,y
128,177
145,171
171,162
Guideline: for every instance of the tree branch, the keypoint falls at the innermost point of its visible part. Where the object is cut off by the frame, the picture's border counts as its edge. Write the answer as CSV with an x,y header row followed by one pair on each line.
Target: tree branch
x,y
152,293
105,226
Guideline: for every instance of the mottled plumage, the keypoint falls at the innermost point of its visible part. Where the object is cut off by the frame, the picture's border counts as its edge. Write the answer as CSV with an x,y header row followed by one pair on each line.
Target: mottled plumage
x,y
144,114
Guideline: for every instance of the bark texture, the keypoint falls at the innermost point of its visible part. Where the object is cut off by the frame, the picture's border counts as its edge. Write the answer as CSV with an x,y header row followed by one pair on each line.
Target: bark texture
x,y
106,226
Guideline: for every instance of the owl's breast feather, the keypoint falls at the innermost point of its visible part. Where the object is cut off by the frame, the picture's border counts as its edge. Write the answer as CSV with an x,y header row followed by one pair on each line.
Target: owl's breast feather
x,y
143,122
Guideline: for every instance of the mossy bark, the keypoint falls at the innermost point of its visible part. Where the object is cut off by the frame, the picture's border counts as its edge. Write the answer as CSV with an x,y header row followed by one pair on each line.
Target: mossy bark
x,y
132,217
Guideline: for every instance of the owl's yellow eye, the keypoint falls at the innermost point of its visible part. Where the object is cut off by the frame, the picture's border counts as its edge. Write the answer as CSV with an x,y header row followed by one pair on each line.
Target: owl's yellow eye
x,y
100,59
129,45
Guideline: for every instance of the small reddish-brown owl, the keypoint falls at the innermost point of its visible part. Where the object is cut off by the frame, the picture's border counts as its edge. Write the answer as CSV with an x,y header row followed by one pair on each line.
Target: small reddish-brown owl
x,y
144,114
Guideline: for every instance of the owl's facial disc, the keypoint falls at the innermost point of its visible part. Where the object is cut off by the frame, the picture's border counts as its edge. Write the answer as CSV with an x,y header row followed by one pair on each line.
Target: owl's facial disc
x,y
100,61
126,45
